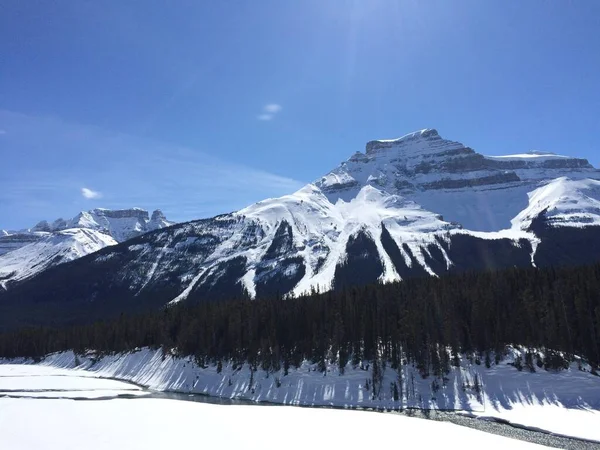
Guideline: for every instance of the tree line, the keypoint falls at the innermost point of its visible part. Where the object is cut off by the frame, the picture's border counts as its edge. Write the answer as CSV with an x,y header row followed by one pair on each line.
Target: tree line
x,y
427,322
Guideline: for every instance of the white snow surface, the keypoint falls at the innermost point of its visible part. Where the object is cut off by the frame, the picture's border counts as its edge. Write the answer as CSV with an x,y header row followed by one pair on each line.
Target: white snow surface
x,y
321,229
18,379
533,154
46,382
52,249
566,202
179,424
116,423
566,402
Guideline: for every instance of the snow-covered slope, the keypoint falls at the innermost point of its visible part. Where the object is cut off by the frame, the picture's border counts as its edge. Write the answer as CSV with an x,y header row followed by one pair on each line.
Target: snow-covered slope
x,y
564,202
50,250
125,419
414,206
564,403
25,253
12,240
317,232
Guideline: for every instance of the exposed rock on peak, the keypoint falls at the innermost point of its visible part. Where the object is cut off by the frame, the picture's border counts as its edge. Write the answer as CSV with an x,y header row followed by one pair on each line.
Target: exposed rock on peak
x,y
423,142
136,213
158,215
42,226
158,221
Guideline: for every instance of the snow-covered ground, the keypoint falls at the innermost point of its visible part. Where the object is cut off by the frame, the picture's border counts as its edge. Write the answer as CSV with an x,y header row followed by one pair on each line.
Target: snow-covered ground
x,y
151,423
565,403
29,381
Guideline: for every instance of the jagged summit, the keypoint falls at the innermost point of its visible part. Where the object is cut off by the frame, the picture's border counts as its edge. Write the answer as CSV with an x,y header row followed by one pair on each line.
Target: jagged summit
x,y
43,225
158,215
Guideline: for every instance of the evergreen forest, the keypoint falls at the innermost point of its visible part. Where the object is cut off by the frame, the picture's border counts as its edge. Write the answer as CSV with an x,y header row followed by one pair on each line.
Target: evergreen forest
x,y
427,322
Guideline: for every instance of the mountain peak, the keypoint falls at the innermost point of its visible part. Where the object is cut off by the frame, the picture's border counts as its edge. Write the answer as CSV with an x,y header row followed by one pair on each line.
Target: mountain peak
x,y
137,213
158,215
42,226
120,224
425,167
417,137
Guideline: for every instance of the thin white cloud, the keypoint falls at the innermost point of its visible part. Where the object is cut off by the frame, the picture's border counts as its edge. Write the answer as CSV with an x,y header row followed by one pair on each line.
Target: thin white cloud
x,y
269,111
2,132
88,193
273,108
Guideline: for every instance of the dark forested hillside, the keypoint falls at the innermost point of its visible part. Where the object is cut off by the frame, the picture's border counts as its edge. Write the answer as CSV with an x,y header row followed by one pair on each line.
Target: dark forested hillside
x,y
426,321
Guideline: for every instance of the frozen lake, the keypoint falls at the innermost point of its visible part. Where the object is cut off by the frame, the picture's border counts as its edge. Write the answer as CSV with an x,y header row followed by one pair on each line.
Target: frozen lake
x,y
43,407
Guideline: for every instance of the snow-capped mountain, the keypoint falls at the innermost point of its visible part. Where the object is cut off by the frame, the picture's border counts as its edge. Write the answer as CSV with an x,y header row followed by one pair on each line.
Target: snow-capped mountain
x,y
414,206
482,193
50,250
27,252
120,224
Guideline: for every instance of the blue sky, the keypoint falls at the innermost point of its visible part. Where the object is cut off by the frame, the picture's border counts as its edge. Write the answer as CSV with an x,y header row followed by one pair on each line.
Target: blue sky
x,y
204,107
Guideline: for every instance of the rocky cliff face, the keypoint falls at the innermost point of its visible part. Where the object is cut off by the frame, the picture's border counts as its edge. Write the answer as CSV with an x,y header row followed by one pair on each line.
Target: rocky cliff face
x,y
415,206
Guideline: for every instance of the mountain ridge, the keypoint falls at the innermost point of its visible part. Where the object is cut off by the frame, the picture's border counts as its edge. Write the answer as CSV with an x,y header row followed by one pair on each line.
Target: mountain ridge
x,y
25,253
415,206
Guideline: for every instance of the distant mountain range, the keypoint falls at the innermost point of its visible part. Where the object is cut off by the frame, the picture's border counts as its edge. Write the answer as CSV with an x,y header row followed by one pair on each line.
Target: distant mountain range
x,y
415,206
25,253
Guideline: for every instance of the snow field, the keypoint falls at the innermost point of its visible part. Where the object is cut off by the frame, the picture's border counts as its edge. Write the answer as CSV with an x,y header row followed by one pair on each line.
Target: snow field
x,y
565,403
163,423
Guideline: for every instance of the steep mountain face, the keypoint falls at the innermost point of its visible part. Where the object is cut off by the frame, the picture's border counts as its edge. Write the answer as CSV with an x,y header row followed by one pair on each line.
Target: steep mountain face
x,y
415,206
25,253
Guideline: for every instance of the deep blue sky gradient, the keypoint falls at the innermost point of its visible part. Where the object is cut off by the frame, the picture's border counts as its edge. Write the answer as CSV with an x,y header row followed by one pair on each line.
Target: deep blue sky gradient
x,y
155,103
